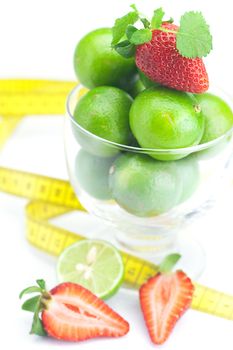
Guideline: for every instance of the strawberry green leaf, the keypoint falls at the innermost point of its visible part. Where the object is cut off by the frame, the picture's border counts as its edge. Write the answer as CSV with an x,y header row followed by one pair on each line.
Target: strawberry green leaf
x,y
130,30
145,22
169,262
31,304
141,36
41,284
33,289
193,37
157,18
119,28
37,326
125,49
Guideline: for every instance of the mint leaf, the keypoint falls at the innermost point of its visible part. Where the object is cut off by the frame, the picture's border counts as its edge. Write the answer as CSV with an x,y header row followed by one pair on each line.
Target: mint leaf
x,y
193,37
33,289
169,262
31,304
118,31
141,36
171,20
145,22
41,284
125,49
157,18
130,30
133,6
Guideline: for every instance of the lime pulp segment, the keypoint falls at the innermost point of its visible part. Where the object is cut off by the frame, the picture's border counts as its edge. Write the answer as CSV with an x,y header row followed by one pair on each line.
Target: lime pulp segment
x,y
94,264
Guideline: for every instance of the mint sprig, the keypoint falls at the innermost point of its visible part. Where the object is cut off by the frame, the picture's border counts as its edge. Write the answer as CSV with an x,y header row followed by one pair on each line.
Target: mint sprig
x,y
121,24
125,49
141,36
145,22
130,30
157,18
193,38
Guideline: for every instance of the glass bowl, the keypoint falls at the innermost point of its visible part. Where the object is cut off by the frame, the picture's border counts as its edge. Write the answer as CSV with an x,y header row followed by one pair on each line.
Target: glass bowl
x,y
146,220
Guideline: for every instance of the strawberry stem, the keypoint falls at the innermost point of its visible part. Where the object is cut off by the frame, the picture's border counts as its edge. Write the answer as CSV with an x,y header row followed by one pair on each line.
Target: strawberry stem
x,y
45,298
169,262
36,305
167,30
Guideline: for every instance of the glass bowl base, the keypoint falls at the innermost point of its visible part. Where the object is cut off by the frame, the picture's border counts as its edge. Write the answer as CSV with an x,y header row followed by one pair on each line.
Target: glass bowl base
x,y
192,260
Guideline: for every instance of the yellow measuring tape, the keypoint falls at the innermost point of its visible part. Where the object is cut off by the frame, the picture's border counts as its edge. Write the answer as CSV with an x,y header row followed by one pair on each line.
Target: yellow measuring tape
x,y
51,197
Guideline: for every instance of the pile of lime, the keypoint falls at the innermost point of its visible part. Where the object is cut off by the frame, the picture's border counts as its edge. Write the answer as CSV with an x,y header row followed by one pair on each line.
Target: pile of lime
x,y
124,107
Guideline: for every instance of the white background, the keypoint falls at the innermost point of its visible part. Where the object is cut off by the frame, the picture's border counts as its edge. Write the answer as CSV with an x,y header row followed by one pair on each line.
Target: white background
x,y
37,40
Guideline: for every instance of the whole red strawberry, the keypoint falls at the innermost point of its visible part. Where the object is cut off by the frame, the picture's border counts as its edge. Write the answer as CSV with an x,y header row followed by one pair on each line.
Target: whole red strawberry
x,y
167,54
160,60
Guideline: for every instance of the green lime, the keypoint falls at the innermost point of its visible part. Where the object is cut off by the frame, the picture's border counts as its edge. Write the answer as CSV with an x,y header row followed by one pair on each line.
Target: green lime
x,y
144,186
94,264
104,111
146,81
161,118
96,63
218,116
92,144
189,173
136,88
92,174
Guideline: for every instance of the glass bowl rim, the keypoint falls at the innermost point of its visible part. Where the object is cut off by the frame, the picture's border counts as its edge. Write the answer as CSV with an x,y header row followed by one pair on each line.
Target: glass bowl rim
x,y
190,149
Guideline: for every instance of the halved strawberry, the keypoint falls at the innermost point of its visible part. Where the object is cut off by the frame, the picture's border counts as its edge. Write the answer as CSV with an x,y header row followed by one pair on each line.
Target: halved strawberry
x,y
74,313
164,298
71,312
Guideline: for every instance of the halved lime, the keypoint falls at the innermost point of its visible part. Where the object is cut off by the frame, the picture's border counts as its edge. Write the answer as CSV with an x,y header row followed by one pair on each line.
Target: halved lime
x,y
94,264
